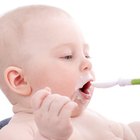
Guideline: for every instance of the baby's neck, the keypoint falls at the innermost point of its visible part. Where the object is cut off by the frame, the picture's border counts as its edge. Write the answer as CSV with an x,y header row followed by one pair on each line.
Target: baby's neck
x,y
20,109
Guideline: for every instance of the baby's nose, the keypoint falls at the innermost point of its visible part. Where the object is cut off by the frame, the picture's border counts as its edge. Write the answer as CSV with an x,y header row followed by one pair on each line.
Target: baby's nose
x,y
86,65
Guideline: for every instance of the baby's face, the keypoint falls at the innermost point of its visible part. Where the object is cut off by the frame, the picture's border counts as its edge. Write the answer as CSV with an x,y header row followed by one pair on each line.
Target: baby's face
x,y
59,59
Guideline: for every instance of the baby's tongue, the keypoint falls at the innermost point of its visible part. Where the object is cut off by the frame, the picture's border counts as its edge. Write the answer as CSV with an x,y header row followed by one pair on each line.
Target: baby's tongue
x,y
85,88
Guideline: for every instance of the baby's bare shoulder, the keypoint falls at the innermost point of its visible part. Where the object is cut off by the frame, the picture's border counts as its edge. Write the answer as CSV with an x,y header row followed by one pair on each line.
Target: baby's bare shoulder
x,y
103,128
17,130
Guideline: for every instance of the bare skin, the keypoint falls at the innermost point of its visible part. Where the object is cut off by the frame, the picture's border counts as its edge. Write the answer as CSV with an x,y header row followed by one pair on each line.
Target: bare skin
x,y
44,81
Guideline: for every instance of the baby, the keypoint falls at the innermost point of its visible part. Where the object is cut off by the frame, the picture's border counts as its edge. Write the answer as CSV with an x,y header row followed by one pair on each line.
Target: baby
x,y
46,74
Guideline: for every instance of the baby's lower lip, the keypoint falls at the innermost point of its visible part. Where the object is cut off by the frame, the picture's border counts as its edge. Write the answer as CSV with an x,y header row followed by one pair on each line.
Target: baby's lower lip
x,y
88,93
83,97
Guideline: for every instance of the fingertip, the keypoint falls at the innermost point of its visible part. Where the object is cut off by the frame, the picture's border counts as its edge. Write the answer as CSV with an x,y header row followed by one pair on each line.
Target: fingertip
x,y
68,110
74,104
39,96
47,89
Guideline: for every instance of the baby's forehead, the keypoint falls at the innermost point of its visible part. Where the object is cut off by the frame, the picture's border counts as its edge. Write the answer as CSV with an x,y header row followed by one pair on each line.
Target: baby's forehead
x,y
40,12
18,18
15,22
45,16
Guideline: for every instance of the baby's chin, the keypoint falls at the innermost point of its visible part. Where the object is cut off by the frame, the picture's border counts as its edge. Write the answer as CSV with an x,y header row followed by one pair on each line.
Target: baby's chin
x,y
78,110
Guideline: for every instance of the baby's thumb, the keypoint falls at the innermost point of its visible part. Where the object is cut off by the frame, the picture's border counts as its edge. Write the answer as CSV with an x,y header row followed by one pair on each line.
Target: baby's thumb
x,y
39,96
68,109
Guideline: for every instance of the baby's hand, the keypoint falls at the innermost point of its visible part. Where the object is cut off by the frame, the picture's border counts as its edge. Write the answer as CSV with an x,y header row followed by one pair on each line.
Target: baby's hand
x,y
52,114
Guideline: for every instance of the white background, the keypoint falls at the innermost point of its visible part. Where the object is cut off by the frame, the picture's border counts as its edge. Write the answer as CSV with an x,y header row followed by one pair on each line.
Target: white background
x,y
112,28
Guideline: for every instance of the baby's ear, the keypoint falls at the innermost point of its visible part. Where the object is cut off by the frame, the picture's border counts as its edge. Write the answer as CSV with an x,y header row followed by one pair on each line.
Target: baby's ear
x,y
16,81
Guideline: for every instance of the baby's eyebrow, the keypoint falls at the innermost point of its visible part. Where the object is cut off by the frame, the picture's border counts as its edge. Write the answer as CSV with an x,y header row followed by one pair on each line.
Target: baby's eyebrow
x,y
85,45
64,45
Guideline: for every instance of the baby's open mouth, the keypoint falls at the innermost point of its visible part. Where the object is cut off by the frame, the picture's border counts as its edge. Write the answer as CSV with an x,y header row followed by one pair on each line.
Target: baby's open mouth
x,y
85,88
85,92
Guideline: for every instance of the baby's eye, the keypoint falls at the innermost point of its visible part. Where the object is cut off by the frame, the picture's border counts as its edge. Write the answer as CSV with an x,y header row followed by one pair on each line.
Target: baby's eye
x,y
68,57
87,56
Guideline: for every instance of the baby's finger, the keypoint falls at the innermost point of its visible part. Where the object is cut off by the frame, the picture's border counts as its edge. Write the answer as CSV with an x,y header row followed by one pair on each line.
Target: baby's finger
x,y
38,97
67,110
57,104
46,105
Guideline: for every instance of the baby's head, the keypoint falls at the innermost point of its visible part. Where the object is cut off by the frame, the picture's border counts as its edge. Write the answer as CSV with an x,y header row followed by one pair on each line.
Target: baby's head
x,y
41,46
